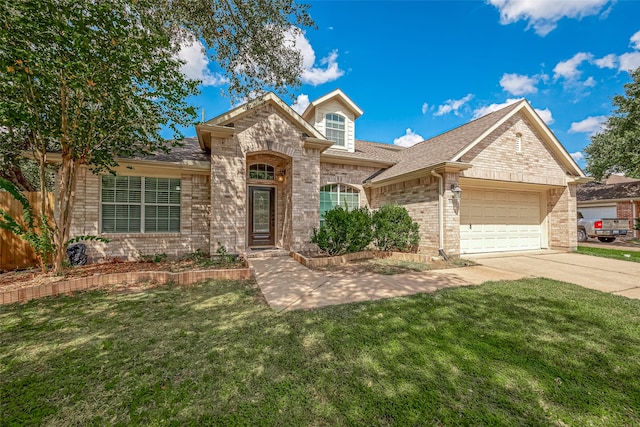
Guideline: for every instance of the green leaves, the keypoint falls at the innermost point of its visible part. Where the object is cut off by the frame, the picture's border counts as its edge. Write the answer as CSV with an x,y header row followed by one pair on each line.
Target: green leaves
x,y
344,231
617,148
394,230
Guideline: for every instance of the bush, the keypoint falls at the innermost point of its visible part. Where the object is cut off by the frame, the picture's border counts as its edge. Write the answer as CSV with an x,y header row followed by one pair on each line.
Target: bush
x,y
344,231
393,229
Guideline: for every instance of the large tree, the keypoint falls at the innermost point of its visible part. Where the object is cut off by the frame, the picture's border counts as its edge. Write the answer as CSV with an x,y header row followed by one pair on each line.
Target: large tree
x,y
617,147
97,80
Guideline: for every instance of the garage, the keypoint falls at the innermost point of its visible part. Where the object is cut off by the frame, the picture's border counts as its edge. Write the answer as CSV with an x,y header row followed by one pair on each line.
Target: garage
x,y
595,212
498,220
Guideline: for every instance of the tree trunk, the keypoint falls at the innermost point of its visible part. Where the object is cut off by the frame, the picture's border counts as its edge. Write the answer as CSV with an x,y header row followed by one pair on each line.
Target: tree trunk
x,y
14,174
67,182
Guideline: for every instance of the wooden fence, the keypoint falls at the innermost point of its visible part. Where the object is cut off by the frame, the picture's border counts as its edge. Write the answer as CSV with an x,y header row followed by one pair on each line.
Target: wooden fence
x,y
15,252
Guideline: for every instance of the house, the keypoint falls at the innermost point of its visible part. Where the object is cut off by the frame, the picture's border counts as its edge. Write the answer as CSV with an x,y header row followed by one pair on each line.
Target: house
x,y
261,175
617,197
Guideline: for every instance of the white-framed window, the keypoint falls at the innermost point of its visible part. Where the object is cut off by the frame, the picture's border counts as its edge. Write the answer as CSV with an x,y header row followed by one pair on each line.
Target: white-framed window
x,y
261,171
338,195
133,204
335,128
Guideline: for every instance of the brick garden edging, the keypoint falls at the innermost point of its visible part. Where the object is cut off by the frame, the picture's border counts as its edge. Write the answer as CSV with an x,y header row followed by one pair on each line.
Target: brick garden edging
x,y
95,282
343,259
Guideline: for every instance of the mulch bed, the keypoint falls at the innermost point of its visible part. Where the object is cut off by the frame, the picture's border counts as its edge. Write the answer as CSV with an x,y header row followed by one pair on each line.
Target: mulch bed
x,y
32,277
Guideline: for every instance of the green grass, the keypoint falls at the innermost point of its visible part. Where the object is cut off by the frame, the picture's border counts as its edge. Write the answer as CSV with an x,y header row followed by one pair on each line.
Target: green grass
x,y
610,253
532,352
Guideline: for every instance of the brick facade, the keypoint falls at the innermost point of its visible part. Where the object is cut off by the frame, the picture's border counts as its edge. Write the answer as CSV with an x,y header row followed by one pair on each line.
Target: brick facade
x,y
625,210
264,134
214,204
195,211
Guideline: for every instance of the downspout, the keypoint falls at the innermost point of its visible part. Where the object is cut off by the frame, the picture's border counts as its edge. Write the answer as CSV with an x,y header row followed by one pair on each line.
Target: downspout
x,y
441,251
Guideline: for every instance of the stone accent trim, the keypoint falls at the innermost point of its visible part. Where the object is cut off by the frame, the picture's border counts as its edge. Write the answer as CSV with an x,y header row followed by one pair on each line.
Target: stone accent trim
x,y
96,282
343,259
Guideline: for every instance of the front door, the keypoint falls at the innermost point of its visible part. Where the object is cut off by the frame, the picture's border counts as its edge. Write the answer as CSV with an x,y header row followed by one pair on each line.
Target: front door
x,y
262,216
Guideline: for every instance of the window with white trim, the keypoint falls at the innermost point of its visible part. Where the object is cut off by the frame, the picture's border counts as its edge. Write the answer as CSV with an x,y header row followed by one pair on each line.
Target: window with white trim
x,y
333,195
335,128
133,204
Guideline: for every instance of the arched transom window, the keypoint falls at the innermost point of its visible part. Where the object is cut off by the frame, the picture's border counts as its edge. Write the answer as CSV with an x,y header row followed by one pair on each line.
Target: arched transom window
x,y
338,195
335,126
261,171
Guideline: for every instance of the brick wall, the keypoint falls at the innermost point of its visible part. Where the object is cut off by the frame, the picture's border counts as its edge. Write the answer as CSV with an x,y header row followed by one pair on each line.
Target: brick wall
x,y
194,222
264,131
420,197
562,213
496,157
625,210
354,175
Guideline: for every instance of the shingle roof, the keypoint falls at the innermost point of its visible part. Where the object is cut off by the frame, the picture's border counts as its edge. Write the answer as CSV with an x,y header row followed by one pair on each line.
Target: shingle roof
x,y
444,147
594,191
189,152
366,150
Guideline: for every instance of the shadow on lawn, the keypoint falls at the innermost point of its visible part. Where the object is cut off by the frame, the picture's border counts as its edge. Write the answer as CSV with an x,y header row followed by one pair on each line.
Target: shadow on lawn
x,y
541,353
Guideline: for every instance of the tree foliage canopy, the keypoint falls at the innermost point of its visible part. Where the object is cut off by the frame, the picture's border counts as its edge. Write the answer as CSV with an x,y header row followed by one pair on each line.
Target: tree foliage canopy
x,y
95,81
617,148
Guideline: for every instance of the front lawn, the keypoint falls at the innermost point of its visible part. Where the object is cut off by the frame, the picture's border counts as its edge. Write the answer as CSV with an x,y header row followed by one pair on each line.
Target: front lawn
x,y
620,254
532,352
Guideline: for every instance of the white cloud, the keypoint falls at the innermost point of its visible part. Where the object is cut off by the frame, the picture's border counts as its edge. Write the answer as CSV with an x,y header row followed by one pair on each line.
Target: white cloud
x,y
590,82
408,139
483,111
545,114
635,41
311,74
452,105
196,63
301,104
425,108
608,61
629,61
543,15
569,69
517,84
590,125
577,156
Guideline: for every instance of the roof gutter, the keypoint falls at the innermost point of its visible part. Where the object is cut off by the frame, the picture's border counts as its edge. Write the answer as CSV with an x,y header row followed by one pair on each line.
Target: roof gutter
x,y
438,167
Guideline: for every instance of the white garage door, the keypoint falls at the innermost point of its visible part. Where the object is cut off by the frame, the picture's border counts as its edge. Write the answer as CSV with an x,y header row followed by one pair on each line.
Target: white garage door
x,y
599,212
496,220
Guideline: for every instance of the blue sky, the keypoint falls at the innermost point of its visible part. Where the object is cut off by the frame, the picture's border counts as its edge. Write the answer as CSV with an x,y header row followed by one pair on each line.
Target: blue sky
x,y
420,68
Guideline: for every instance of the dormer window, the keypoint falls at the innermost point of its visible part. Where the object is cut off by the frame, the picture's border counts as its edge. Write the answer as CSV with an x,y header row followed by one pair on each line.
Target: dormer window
x,y
335,128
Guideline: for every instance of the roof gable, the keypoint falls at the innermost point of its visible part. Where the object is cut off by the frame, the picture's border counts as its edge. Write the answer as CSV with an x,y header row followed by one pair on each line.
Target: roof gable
x,y
336,95
222,124
452,145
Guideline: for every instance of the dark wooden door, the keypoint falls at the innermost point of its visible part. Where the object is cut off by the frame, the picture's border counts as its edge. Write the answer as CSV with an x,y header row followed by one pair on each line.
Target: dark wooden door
x,y
262,216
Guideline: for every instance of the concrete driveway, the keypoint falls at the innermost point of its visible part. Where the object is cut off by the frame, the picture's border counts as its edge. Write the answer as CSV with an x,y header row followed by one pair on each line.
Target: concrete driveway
x,y
603,274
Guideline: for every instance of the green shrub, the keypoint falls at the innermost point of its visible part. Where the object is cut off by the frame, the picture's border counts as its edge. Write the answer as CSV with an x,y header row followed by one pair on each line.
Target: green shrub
x,y
394,230
344,231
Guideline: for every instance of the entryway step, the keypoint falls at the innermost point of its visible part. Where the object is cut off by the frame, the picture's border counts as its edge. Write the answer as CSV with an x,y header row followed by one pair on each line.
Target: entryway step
x,y
266,253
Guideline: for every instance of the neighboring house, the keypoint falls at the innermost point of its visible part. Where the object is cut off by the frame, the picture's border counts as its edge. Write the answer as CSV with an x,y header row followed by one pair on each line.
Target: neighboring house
x,y
262,175
618,197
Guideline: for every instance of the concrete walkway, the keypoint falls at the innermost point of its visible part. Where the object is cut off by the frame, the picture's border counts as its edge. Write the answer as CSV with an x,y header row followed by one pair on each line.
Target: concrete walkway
x,y
288,285
603,274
